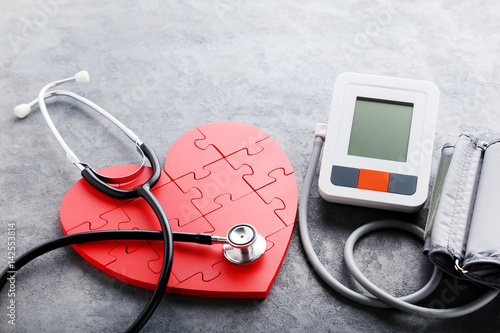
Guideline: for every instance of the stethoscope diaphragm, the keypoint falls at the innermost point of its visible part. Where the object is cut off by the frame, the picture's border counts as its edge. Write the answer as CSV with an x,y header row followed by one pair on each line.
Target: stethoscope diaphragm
x,y
244,244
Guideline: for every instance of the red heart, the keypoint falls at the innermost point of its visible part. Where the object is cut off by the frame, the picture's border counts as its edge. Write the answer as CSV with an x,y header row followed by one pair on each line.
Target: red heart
x,y
217,175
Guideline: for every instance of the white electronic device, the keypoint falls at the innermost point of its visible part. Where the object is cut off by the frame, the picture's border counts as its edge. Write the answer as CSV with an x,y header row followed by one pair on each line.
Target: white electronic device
x,y
379,142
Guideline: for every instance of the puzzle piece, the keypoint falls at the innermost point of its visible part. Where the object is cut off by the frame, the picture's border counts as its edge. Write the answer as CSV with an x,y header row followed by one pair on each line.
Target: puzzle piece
x,y
284,190
186,151
262,164
229,137
187,260
82,203
178,204
138,273
186,256
253,280
142,217
223,180
96,253
248,209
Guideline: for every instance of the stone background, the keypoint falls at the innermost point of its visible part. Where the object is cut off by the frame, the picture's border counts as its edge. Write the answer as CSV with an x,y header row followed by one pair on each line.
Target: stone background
x,y
165,67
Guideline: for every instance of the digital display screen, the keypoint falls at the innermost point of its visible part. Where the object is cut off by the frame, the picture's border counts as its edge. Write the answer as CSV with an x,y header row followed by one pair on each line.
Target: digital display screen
x,y
381,129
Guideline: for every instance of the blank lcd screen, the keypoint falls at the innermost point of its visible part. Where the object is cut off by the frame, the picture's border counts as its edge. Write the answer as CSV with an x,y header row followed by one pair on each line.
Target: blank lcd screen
x,y
380,129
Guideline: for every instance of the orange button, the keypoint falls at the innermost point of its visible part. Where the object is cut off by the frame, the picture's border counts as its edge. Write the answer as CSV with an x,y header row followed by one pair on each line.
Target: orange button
x,y
373,180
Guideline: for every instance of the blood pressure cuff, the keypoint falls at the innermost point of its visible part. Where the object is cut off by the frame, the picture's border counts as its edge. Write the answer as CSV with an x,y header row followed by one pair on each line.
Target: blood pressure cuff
x,y
462,234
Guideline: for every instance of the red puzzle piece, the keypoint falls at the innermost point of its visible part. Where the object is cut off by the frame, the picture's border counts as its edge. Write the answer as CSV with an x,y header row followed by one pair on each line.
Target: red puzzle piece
x,y
187,256
187,260
223,179
74,211
282,190
82,203
139,271
253,280
229,137
262,164
177,205
97,253
191,156
251,210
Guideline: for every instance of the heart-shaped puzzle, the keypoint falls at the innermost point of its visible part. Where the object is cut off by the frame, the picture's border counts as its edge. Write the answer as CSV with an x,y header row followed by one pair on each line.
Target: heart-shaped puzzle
x,y
216,176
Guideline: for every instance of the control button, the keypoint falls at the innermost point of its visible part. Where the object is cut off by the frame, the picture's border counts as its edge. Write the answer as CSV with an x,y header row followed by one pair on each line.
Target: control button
x,y
344,176
373,180
402,184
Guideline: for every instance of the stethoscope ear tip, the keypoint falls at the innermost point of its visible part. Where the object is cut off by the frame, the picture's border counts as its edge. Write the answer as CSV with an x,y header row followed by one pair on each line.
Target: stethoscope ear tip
x,y
22,110
82,77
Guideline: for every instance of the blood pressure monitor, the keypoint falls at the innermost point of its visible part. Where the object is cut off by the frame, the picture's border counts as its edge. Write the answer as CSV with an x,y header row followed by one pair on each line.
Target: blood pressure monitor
x,y
379,142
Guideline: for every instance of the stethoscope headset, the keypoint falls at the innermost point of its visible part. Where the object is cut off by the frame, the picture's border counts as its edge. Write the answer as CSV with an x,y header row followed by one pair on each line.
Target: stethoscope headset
x,y
241,245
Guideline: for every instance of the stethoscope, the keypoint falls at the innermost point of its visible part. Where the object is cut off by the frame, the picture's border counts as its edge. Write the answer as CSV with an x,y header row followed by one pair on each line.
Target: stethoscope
x,y
242,245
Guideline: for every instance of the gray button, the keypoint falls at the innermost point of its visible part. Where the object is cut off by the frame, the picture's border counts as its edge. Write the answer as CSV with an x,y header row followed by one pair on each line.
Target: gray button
x,y
344,176
402,184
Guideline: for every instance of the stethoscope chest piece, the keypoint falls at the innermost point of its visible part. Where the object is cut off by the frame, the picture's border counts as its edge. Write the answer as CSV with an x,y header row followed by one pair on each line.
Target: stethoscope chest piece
x,y
244,244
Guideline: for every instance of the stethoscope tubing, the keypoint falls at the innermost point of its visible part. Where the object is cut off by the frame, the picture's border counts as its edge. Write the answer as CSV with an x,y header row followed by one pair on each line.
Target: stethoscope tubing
x,y
97,236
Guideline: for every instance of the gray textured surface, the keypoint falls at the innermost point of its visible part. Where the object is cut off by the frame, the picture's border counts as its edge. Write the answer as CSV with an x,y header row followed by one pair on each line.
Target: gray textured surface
x,y
165,67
